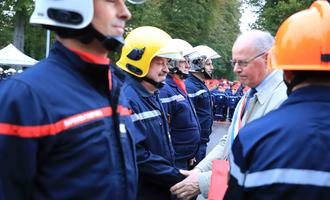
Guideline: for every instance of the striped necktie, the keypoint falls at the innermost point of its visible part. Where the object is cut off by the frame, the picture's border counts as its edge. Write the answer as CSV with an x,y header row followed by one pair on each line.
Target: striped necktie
x,y
239,113
252,92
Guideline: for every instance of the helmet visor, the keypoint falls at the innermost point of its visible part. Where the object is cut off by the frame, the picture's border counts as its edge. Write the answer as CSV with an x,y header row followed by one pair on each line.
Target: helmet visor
x,y
136,1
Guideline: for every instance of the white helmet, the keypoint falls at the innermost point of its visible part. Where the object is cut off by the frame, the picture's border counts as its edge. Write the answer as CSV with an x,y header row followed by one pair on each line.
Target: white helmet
x,y
10,72
207,51
199,56
182,48
72,18
65,13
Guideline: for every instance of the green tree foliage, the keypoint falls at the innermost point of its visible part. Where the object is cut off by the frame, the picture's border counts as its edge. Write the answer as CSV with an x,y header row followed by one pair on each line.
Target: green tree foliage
x,y
145,15
273,12
223,34
6,29
211,22
15,28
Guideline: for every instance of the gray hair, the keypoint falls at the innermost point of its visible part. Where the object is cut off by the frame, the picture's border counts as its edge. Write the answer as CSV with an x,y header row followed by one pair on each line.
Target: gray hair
x,y
261,40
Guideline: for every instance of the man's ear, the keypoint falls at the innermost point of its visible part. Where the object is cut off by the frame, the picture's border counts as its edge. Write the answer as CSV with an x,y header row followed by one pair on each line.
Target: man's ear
x,y
265,57
288,76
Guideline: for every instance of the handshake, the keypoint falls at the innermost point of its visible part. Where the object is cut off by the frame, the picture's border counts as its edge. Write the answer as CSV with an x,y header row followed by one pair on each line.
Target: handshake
x,y
189,187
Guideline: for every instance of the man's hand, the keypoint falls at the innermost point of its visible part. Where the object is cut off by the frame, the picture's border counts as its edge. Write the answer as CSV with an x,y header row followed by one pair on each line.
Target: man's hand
x,y
189,187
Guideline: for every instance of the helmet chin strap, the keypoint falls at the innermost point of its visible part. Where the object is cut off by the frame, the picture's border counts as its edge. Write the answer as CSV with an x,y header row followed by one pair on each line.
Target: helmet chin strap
x,y
111,43
158,85
177,71
206,75
201,65
182,75
87,34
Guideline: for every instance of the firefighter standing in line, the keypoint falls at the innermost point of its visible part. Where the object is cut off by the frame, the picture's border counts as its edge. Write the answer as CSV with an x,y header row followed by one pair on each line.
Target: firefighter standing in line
x,y
201,69
65,132
145,59
180,111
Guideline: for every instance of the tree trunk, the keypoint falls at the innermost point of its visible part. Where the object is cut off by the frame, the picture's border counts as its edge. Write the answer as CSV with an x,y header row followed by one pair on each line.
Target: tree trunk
x,y
18,39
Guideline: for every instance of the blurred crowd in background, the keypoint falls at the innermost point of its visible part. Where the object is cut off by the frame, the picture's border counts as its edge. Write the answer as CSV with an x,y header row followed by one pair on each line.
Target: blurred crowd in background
x,y
8,72
225,96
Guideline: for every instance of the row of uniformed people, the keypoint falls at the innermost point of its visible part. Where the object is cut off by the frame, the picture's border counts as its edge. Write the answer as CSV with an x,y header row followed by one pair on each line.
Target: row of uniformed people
x,y
224,103
157,166
77,128
8,73
173,116
171,106
67,132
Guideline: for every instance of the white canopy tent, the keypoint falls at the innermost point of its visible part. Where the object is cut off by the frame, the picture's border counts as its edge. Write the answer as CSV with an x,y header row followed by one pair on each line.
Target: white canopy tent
x,y
10,55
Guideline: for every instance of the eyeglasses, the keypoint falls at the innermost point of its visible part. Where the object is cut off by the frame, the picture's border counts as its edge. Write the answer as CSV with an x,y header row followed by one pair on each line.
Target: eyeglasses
x,y
244,63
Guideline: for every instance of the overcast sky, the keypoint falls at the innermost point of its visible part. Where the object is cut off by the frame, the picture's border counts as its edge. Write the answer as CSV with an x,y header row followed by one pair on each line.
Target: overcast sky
x,y
248,17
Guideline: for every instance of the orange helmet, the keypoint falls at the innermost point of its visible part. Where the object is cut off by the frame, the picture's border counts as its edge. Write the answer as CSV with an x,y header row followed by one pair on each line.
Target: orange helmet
x,y
303,40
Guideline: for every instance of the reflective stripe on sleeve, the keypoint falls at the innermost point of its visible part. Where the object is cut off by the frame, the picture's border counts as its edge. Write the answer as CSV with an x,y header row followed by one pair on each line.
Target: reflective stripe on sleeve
x,y
177,98
27,131
235,171
145,115
279,176
192,95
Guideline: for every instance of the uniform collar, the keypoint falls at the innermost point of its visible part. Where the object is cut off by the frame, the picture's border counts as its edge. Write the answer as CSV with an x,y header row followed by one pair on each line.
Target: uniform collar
x,y
97,74
314,93
72,57
176,83
195,79
170,81
139,87
91,58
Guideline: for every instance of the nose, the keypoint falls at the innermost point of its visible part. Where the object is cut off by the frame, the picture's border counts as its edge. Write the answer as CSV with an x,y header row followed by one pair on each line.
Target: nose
x,y
237,68
123,12
186,65
165,68
212,67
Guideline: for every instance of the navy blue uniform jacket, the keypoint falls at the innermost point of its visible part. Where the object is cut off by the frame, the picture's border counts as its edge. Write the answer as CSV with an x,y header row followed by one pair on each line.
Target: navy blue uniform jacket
x,y
155,154
285,154
64,134
182,119
202,100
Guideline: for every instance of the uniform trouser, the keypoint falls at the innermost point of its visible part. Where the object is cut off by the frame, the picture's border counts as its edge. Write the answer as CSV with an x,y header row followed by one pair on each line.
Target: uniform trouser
x,y
223,113
181,164
200,155
201,152
230,113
